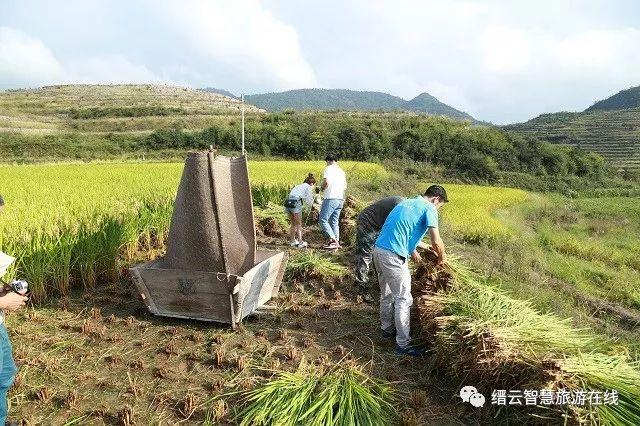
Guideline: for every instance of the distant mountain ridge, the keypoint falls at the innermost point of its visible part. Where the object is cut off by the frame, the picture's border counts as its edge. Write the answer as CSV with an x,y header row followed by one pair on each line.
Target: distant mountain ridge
x,y
352,100
625,99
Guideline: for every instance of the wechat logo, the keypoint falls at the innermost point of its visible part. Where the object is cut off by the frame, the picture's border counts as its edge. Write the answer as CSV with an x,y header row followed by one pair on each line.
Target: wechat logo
x,y
471,395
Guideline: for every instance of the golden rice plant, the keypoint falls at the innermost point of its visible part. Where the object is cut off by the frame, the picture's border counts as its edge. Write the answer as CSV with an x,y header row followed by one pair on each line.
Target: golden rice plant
x,y
72,225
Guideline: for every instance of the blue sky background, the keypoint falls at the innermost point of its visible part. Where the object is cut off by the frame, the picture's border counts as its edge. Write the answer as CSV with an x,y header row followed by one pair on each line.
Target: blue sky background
x,y
502,61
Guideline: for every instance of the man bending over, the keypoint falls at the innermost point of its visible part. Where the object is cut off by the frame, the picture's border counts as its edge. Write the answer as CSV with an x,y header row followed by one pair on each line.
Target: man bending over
x,y
401,233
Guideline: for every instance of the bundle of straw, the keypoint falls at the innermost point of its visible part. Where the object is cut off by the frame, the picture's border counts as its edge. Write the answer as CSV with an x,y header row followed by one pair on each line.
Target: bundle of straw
x,y
497,342
342,396
308,264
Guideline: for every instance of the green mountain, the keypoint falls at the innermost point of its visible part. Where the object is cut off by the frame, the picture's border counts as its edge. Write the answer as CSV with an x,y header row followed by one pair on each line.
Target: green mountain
x,y
614,134
351,100
326,99
624,99
424,102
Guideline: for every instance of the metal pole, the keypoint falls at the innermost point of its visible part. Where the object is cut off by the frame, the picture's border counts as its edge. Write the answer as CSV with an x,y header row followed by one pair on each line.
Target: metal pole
x,y
242,97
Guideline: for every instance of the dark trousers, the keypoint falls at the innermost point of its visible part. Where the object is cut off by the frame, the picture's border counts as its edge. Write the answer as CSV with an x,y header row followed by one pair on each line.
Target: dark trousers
x,y
365,241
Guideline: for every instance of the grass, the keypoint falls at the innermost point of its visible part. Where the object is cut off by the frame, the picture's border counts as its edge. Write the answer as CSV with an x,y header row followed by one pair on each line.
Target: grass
x,y
76,225
583,249
343,396
472,209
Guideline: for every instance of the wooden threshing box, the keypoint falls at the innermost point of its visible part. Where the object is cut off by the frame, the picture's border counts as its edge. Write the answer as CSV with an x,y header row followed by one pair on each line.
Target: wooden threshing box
x,y
212,270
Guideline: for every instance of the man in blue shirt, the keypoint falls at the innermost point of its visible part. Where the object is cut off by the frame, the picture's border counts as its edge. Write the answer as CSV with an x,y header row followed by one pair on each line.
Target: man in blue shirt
x,y
401,233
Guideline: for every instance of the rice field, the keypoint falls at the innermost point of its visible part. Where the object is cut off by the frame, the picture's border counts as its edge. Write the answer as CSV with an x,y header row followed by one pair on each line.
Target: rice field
x,y
472,211
73,224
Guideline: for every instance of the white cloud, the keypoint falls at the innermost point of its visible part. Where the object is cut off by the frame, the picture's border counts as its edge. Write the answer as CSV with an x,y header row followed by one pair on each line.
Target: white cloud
x,y
242,37
507,50
235,45
109,69
25,60
499,60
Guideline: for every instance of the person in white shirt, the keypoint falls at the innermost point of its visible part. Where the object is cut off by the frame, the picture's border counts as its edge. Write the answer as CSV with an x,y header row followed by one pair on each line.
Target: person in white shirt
x,y
299,195
334,184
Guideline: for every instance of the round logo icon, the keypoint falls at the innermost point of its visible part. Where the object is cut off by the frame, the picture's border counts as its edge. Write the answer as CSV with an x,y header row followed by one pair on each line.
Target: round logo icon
x,y
477,400
466,392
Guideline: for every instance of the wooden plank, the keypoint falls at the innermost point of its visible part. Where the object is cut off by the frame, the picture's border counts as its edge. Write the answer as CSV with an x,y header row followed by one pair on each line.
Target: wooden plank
x,y
257,284
262,255
218,308
189,281
193,294
280,276
143,290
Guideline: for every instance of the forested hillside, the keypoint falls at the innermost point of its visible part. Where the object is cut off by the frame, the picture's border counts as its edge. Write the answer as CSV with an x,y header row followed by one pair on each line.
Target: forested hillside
x,y
624,99
426,103
158,122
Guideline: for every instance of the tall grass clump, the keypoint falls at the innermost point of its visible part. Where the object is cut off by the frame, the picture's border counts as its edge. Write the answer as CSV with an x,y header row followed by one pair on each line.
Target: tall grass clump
x,y
271,220
342,396
265,195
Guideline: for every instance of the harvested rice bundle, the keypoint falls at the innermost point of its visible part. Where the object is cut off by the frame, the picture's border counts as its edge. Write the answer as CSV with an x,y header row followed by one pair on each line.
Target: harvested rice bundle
x,y
497,342
271,220
343,395
308,264
348,220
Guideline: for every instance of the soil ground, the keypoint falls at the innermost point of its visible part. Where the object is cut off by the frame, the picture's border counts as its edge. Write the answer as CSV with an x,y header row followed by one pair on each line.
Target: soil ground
x,y
99,357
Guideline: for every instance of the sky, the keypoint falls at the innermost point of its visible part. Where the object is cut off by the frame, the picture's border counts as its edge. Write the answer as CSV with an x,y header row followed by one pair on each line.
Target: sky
x,y
502,61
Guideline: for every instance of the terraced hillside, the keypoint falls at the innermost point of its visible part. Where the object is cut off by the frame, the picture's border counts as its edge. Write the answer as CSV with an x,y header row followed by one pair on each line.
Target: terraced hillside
x,y
614,134
111,108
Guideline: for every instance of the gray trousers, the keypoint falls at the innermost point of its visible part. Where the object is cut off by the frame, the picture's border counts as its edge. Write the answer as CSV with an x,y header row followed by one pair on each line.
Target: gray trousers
x,y
395,293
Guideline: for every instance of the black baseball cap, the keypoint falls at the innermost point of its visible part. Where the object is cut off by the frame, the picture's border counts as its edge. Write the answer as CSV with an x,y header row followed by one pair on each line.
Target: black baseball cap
x,y
331,157
437,191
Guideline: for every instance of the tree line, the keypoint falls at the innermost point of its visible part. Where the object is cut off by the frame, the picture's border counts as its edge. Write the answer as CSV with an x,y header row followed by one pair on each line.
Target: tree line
x,y
477,153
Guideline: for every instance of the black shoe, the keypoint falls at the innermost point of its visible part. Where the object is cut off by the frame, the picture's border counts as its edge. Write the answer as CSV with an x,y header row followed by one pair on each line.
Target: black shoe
x,y
387,334
411,351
